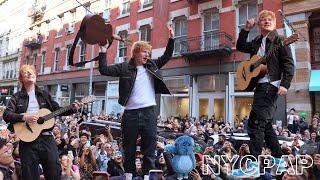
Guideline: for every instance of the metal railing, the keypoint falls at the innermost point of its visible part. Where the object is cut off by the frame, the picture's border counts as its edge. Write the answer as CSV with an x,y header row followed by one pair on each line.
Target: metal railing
x,y
33,43
208,42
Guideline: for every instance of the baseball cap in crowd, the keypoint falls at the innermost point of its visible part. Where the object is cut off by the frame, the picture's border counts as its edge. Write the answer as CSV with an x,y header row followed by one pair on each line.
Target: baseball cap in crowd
x,y
198,156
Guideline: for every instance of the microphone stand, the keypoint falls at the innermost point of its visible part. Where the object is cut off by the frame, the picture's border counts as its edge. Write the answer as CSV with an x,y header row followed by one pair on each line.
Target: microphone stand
x,y
287,21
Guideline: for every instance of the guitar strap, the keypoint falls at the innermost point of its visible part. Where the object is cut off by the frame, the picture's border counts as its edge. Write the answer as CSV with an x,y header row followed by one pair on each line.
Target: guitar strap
x,y
267,54
70,59
74,45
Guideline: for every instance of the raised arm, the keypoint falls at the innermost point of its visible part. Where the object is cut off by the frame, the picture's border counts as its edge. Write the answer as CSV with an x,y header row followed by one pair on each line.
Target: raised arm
x,y
104,69
242,44
161,61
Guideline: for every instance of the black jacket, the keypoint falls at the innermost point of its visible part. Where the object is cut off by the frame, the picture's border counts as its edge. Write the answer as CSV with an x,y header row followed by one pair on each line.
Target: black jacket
x,y
127,72
18,104
280,64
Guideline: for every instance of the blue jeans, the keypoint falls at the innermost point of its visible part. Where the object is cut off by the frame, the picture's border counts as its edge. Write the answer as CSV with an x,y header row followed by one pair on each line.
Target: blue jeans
x,y
139,122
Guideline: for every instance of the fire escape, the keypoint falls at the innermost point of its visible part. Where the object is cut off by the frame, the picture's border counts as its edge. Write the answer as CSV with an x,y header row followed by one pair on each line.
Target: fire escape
x,y
36,13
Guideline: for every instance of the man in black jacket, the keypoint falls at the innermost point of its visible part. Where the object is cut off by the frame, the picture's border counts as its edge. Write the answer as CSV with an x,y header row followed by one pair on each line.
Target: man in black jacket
x,y
139,81
43,150
280,70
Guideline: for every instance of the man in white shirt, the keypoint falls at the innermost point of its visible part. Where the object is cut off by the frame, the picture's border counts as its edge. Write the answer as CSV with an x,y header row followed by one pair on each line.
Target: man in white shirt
x,y
139,81
43,150
276,81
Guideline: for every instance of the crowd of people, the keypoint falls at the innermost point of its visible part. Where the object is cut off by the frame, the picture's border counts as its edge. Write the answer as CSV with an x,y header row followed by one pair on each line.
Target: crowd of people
x,y
84,153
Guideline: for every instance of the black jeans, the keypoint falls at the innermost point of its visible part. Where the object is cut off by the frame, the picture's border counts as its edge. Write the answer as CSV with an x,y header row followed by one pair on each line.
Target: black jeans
x,y
43,150
139,122
261,118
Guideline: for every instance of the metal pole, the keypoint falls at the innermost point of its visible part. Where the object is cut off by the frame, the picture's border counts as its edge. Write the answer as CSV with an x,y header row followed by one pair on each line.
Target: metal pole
x,y
90,80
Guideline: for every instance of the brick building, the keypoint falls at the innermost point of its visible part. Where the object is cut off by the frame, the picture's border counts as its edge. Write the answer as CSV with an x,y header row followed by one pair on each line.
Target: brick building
x,y
304,17
12,33
200,75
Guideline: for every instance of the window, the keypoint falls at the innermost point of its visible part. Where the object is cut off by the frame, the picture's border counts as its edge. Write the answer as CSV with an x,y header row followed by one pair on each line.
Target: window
x,y
71,25
53,90
1,47
60,29
82,54
180,31
125,7
68,49
81,90
34,61
146,3
43,61
123,46
211,29
246,11
27,59
9,70
56,59
145,33
315,44
88,9
46,36
106,12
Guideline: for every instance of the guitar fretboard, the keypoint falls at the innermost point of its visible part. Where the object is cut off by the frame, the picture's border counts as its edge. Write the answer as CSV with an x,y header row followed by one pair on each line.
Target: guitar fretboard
x,y
263,59
57,112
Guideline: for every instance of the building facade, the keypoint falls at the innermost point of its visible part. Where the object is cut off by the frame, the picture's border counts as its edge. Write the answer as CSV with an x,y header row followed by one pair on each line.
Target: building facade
x,y
200,76
14,21
304,17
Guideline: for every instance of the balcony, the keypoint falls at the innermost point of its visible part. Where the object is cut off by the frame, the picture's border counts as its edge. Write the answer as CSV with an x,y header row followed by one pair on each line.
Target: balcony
x,y
209,45
33,43
194,1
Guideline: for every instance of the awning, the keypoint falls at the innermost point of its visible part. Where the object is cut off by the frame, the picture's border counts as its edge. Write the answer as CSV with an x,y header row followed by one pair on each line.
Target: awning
x,y
314,84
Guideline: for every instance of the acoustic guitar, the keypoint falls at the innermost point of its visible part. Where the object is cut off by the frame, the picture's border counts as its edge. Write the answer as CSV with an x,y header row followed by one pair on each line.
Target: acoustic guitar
x,y
28,132
93,30
250,71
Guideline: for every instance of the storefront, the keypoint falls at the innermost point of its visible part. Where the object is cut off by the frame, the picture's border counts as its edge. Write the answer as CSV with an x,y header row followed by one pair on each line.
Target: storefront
x,y
195,96
314,88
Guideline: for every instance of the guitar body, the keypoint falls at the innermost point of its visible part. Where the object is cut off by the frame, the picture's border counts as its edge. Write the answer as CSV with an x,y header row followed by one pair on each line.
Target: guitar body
x,y
247,75
25,134
95,30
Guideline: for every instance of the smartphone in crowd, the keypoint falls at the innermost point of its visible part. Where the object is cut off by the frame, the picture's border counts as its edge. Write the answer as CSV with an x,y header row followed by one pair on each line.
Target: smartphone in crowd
x,y
155,174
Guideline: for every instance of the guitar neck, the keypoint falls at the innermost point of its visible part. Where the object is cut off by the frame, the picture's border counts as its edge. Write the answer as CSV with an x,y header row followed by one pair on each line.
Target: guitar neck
x,y
263,60
57,112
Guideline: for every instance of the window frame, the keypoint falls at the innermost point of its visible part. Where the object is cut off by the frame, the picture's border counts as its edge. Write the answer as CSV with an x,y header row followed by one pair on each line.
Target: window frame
x,y
125,7
254,32
147,28
43,61
57,53
82,51
180,37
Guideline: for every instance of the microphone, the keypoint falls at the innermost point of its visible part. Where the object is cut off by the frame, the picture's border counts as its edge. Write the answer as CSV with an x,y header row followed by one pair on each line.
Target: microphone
x,y
286,21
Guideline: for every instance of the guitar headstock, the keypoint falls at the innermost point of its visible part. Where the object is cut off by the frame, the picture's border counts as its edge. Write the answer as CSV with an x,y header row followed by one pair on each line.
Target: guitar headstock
x,y
291,39
88,99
